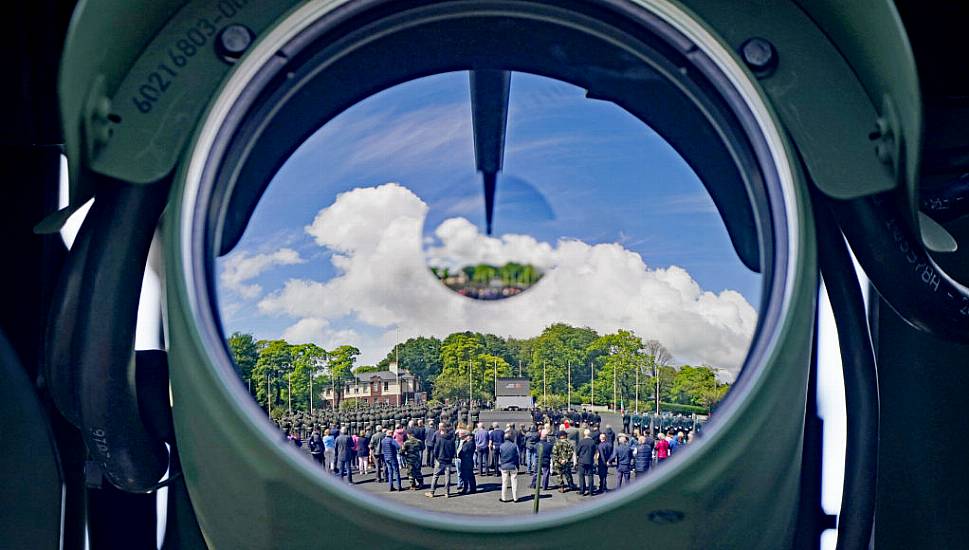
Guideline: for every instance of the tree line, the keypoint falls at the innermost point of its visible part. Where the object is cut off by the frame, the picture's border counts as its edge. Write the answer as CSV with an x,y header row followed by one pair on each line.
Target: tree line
x,y
562,363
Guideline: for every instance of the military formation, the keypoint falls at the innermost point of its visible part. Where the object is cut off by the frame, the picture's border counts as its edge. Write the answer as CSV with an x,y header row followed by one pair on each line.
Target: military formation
x,y
395,443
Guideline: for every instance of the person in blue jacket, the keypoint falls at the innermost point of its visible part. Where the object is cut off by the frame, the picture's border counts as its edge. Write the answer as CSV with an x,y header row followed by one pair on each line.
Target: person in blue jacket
x,y
643,455
509,459
481,439
389,448
622,454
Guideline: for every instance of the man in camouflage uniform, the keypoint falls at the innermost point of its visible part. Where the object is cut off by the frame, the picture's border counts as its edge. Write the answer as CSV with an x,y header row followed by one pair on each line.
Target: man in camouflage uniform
x,y
412,460
562,456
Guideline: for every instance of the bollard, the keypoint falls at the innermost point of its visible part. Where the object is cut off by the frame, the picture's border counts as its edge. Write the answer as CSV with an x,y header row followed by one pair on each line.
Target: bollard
x,y
538,472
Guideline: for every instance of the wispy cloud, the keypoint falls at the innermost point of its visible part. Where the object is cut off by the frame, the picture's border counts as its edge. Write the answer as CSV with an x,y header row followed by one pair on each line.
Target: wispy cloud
x,y
692,203
242,267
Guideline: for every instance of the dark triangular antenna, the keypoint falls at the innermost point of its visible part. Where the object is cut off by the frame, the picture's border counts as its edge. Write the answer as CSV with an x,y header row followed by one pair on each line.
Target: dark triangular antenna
x,y
489,114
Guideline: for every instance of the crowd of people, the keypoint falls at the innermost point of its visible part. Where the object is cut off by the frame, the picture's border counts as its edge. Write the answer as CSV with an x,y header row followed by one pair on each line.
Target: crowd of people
x,y
396,443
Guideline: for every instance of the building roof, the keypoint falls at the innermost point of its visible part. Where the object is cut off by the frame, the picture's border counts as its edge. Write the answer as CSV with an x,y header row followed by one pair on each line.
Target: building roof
x,y
510,387
383,375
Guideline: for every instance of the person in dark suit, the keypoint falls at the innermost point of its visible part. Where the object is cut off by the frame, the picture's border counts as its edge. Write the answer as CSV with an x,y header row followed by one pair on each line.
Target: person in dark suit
x,y
466,457
429,444
345,456
585,453
420,432
622,454
604,453
610,435
444,454
543,461
497,437
316,446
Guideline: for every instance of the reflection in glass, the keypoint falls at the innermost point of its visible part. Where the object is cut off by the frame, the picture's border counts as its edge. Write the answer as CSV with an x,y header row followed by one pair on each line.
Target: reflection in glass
x,y
606,296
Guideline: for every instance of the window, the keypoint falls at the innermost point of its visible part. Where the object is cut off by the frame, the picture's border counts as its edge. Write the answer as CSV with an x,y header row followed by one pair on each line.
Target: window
x,y
387,387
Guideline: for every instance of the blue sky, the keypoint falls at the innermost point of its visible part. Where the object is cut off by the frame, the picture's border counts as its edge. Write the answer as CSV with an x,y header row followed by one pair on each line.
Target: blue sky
x,y
574,169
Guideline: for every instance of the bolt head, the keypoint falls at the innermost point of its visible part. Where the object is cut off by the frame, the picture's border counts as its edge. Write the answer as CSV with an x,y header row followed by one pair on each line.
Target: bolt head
x,y
233,41
759,55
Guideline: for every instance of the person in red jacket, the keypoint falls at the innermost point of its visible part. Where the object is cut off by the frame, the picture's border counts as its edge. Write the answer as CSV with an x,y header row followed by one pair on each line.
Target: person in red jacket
x,y
662,449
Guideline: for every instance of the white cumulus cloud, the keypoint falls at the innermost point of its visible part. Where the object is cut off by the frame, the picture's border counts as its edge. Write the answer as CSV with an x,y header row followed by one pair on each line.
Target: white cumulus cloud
x,y
383,281
315,329
462,244
242,267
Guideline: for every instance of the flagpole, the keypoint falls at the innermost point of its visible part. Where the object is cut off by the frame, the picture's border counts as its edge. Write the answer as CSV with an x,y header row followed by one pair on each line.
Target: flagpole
x,y
544,387
570,385
614,401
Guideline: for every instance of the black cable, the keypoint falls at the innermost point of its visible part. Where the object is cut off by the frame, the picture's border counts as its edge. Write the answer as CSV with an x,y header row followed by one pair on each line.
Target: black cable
x,y
860,380
900,268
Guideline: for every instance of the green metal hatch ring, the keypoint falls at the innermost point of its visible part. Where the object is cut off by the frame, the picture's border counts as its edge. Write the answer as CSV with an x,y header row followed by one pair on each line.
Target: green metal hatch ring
x,y
250,489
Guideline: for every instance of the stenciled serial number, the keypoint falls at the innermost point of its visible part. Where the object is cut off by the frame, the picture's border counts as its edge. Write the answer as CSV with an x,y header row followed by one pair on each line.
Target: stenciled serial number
x,y
180,54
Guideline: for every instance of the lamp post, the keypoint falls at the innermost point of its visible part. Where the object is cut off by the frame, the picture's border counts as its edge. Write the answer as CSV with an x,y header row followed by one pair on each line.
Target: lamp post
x,y
592,377
269,401
289,390
496,379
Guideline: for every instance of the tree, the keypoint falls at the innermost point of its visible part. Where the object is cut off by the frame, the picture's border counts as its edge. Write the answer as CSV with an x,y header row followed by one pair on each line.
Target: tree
x,y
340,366
366,368
693,385
460,353
274,363
657,358
245,353
553,351
617,357
420,356
308,361
457,351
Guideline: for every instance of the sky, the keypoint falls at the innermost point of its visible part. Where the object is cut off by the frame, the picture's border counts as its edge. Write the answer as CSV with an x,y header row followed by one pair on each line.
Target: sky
x,y
338,248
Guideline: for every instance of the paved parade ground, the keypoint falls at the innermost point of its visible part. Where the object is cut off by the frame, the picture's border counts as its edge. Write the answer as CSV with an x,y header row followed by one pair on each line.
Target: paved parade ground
x,y
486,500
